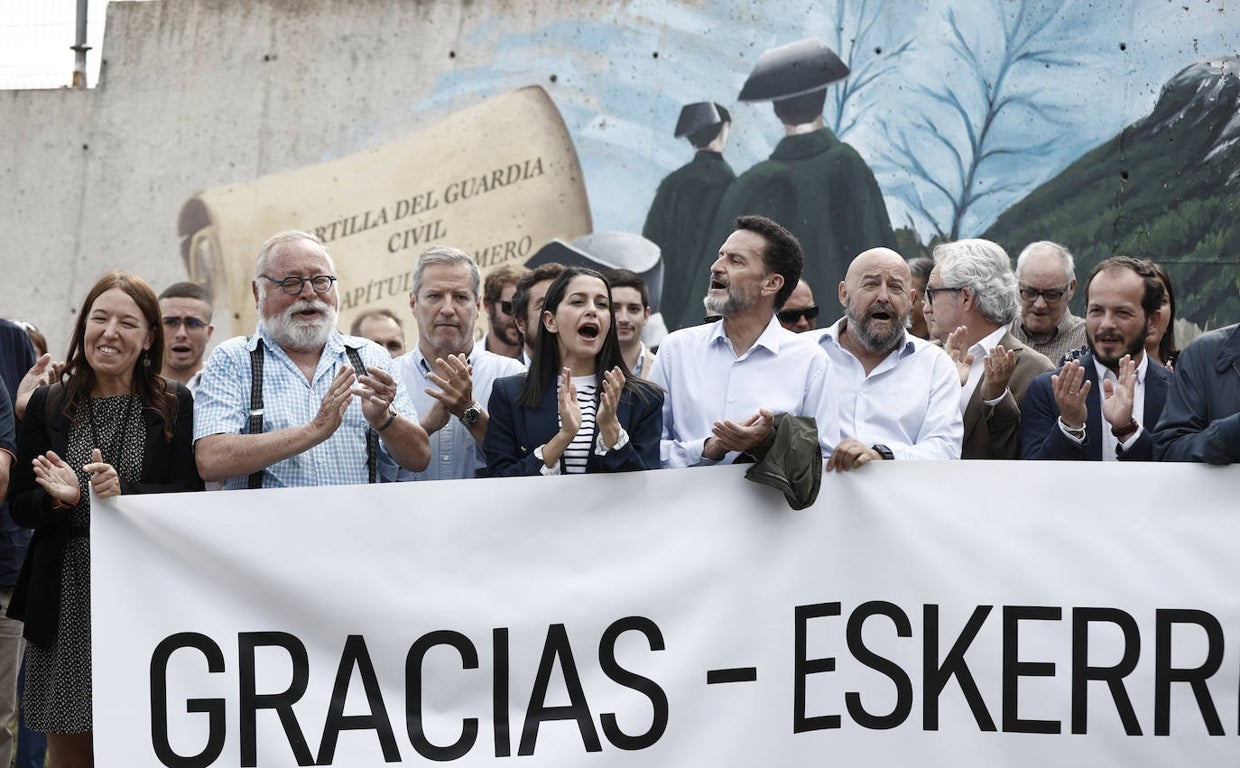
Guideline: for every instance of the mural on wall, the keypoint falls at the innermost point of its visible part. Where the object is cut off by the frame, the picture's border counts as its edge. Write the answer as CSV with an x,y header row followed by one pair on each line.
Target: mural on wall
x,y
1108,127
463,181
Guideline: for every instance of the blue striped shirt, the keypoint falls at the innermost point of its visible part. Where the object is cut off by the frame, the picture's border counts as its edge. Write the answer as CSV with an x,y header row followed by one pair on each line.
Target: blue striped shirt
x,y
222,406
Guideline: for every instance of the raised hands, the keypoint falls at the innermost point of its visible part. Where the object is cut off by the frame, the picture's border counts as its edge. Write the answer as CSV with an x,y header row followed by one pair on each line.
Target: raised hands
x,y
744,436
570,412
43,372
103,477
332,408
57,478
999,365
608,403
377,389
958,350
1117,398
454,377
1070,389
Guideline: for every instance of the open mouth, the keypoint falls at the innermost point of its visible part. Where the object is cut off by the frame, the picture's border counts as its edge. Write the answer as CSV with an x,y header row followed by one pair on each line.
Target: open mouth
x,y
178,349
588,331
718,285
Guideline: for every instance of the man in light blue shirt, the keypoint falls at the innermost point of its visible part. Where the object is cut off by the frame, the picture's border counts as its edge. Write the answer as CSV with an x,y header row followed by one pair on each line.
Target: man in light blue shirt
x,y
318,414
446,373
899,396
726,380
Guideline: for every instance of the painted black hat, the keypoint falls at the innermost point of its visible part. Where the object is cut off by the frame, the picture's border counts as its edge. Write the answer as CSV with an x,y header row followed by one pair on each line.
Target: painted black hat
x,y
608,250
700,116
793,70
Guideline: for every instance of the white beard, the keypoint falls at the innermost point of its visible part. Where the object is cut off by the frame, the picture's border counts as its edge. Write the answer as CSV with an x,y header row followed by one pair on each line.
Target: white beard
x,y
302,335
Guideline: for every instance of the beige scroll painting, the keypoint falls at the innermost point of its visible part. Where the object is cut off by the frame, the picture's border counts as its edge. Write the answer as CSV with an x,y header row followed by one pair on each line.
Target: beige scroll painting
x,y
497,180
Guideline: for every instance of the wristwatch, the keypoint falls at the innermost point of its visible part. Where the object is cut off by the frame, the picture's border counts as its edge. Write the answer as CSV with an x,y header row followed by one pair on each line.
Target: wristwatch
x,y
884,451
472,414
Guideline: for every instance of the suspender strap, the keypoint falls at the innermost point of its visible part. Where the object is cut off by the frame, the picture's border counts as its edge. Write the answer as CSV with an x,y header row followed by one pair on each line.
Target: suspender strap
x,y
256,403
372,437
256,411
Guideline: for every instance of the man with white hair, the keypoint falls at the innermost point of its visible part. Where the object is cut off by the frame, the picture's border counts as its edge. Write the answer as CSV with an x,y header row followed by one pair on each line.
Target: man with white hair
x,y
1046,279
297,403
970,299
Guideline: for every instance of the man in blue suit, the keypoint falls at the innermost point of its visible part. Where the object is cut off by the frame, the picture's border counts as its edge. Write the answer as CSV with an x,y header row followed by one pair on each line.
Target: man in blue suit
x,y
1098,408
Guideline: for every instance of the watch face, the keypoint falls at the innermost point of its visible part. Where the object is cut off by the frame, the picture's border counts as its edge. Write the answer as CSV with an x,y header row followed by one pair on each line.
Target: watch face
x,y
471,415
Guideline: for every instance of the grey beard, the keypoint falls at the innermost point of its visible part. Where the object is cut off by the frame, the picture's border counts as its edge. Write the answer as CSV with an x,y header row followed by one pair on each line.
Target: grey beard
x,y
875,342
298,335
726,307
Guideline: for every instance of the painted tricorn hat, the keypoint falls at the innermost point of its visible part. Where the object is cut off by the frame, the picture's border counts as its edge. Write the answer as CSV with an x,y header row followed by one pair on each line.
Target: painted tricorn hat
x,y
793,70
699,116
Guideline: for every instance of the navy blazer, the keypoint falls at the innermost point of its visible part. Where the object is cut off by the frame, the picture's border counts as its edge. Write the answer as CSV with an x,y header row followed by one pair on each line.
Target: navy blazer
x,y
1041,437
513,432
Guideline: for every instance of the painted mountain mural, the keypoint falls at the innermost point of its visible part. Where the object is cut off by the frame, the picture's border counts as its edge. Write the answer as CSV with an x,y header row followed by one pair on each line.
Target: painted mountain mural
x,y
1166,188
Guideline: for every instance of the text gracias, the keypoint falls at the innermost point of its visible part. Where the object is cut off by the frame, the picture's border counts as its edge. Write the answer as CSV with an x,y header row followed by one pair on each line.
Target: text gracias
x,y
557,654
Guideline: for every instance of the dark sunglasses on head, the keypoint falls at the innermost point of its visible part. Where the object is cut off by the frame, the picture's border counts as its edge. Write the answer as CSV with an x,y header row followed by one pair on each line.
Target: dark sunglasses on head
x,y
191,323
792,316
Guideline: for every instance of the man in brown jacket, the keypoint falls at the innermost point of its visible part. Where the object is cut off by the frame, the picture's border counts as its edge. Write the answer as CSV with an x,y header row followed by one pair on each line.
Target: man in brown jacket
x,y
972,298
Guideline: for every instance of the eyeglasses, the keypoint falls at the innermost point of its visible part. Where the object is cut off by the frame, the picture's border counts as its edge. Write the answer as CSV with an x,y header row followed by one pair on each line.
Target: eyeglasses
x,y
506,307
191,323
294,285
1050,295
931,291
793,316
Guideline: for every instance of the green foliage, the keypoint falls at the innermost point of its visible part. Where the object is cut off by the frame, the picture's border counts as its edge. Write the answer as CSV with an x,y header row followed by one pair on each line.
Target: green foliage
x,y
1171,208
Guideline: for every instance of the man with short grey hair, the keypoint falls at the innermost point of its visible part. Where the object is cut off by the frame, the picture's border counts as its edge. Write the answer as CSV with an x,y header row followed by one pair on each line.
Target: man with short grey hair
x,y
448,376
1046,279
970,299
278,408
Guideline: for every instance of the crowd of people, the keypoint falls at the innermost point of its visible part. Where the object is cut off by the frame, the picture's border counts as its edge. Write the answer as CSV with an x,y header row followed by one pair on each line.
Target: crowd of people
x,y
562,383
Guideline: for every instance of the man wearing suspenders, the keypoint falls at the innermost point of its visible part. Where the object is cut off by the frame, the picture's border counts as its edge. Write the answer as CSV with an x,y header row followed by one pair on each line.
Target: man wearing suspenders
x,y
298,403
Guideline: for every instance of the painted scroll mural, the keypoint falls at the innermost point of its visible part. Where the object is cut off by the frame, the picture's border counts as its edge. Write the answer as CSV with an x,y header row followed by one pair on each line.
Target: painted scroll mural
x,y
1108,127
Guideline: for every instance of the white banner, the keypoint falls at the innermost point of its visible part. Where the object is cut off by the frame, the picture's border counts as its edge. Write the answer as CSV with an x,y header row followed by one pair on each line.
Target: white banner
x,y
922,613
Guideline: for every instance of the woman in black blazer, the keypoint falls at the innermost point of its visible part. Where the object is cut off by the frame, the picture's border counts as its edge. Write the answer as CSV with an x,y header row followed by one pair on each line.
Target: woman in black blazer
x,y
578,409
111,424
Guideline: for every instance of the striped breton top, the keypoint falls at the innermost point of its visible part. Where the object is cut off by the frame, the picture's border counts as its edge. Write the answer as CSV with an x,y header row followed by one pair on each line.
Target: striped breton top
x,y
578,451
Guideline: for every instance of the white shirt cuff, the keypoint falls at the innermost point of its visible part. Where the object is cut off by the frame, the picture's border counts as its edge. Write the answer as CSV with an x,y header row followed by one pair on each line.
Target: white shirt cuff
x,y
544,469
600,449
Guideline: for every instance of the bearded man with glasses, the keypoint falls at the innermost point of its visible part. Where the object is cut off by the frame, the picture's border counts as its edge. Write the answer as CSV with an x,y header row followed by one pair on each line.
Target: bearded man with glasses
x,y
1046,278
503,337
298,403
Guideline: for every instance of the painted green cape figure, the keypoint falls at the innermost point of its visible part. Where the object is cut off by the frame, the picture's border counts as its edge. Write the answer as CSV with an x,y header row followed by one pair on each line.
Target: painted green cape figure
x,y
813,184
684,207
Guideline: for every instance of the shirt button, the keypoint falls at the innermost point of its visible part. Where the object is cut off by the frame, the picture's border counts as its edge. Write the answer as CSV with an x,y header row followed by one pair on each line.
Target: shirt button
x,y
445,457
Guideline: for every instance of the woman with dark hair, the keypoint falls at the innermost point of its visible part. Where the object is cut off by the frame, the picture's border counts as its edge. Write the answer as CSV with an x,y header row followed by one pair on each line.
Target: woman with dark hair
x,y
578,409
1160,345
110,423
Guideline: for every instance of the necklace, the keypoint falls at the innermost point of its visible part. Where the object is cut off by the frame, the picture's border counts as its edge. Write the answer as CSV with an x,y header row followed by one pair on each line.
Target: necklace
x,y
111,453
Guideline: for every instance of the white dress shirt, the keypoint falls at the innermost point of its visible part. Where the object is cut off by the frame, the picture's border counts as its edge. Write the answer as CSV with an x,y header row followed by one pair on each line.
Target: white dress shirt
x,y
454,453
706,381
983,347
910,402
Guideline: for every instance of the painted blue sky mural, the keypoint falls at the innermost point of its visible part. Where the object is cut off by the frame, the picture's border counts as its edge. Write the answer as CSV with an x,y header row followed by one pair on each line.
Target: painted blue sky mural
x,y
620,79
